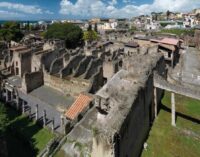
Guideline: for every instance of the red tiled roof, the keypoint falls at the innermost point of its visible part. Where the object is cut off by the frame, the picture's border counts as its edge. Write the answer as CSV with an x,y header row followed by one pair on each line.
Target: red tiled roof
x,y
78,106
168,41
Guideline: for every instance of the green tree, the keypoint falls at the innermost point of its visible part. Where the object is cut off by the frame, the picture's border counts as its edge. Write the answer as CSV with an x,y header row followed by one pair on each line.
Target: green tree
x,y
3,119
90,36
133,29
71,33
11,31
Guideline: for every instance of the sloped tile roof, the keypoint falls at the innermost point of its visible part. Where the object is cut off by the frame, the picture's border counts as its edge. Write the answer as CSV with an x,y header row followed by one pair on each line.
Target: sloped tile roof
x,y
78,106
168,41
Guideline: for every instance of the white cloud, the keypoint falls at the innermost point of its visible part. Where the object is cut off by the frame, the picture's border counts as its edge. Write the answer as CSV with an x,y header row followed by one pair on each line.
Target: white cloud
x,y
94,8
6,14
113,2
129,1
28,9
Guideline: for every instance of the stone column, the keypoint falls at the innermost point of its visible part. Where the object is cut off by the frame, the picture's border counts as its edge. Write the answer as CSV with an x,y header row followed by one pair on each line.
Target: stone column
x,y
61,120
52,125
44,118
155,102
173,110
62,123
172,62
36,112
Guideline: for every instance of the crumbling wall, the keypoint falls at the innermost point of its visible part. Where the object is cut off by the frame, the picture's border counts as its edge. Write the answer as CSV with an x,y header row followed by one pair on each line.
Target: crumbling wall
x,y
153,49
25,63
70,86
49,57
72,65
56,65
83,66
130,51
137,123
66,58
92,68
32,81
97,81
101,149
136,110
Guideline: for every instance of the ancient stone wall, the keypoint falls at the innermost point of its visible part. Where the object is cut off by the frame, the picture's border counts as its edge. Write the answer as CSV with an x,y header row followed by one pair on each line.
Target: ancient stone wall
x,y
56,66
25,63
137,123
136,120
32,81
153,49
49,57
70,86
72,65
83,66
129,51
97,81
92,68
35,63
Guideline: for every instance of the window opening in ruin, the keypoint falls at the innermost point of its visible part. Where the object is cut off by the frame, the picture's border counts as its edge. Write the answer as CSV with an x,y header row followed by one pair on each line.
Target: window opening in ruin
x,y
17,71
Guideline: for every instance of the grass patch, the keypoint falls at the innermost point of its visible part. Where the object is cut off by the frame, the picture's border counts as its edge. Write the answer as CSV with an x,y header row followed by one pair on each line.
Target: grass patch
x,y
24,137
178,32
180,141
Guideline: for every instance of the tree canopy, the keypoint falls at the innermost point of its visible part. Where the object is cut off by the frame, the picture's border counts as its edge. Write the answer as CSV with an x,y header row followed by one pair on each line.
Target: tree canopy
x,y
11,31
90,36
71,33
3,119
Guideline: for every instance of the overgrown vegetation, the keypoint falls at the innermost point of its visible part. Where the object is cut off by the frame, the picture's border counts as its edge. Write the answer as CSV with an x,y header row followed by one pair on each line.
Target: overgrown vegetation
x,y
3,119
179,32
23,137
133,29
69,32
180,141
90,36
11,31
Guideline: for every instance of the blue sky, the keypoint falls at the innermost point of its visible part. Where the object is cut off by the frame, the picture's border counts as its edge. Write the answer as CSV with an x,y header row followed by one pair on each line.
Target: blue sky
x,y
75,9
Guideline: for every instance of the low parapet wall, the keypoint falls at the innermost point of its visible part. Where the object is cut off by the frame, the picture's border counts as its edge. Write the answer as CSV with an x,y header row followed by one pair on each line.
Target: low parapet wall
x,y
71,86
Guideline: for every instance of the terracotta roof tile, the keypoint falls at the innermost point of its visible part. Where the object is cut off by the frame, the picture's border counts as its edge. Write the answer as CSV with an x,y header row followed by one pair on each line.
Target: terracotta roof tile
x,y
169,41
78,106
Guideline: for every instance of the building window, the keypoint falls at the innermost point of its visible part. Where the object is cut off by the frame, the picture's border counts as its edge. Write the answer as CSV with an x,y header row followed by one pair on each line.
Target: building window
x,y
16,63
